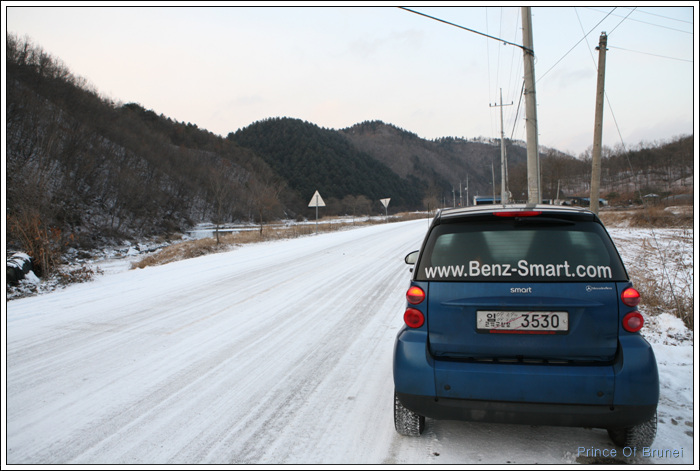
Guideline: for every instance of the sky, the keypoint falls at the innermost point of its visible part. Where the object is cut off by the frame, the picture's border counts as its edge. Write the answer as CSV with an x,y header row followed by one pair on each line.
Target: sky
x,y
225,67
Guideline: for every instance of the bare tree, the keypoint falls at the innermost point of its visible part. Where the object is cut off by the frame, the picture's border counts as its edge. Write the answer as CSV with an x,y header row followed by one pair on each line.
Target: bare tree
x,y
263,192
349,203
364,205
223,185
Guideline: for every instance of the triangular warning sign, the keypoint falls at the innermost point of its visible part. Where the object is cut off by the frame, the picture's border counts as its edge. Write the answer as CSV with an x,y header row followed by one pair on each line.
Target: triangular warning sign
x,y
316,201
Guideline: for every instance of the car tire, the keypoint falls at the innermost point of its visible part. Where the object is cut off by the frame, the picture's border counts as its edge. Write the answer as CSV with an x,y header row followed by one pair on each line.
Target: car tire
x,y
640,436
407,422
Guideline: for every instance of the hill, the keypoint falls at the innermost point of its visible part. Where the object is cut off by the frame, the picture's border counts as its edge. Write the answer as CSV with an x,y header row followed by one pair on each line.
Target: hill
x,y
441,164
83,171
311,159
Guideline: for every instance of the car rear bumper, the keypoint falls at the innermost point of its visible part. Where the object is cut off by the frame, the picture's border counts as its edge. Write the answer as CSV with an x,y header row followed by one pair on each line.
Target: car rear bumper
x,y
616,395
572,415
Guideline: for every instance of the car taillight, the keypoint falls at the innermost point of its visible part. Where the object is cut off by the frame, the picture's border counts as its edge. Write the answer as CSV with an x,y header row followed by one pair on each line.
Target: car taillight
x,y
413,318
415,295
513,214
633,322
630,297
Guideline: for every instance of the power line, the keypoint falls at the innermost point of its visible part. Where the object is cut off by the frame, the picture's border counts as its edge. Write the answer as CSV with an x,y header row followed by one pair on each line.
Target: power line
x,y
595,66
655,24
650,54
513,86
488,63
574,46
628,15
520,100
505,42
662,16
529,51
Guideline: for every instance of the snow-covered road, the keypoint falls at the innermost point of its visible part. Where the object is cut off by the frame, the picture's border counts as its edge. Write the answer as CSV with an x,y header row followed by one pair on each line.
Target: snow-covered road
x,y
271,353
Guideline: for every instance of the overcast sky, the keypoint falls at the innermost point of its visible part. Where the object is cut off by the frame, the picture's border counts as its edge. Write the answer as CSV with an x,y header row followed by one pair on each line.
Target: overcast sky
x,y
223,68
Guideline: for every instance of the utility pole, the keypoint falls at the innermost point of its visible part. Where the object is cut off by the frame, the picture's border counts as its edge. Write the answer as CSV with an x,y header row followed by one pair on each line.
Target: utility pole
x,y
493,182
467,190
598,129
558,183
533,158
504,165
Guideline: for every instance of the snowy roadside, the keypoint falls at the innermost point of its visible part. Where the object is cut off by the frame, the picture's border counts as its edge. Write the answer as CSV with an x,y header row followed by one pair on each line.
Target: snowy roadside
x,y
667,255
82,266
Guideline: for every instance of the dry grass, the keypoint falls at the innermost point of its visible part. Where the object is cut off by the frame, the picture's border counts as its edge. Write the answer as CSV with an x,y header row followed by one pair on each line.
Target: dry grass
x,y
654,216
227,241
658,299
663,268
182,251
662,272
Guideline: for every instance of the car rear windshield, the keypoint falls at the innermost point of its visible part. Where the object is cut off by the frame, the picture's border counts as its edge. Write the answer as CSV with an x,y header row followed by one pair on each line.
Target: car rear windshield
x,y
520,249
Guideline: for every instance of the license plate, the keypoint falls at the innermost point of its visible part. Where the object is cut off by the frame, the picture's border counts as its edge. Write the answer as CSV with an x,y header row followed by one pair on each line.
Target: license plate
x,y
522,322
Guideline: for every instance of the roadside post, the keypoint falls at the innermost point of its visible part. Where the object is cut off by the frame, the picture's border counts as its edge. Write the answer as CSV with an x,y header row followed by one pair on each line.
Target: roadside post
x,y
385,202
316,201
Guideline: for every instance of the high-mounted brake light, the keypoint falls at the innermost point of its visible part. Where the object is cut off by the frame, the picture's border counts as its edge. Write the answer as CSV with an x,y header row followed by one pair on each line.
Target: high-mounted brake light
x,y
415,295
513,214
630,297
413,318
633,322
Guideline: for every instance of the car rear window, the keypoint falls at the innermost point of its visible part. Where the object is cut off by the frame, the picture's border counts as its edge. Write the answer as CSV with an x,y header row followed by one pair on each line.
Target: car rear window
x,y
523,249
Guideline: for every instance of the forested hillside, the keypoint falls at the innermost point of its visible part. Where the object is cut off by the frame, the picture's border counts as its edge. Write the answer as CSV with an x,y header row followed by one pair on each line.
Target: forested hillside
x,y
313,159
442,164
84,171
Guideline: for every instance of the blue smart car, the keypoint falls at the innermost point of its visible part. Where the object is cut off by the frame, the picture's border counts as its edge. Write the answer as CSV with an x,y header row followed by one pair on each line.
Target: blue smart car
x,y
524,314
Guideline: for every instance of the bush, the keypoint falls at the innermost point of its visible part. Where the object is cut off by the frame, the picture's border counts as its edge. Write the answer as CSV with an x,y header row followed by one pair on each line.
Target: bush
x,y
81,274
663,273
43,244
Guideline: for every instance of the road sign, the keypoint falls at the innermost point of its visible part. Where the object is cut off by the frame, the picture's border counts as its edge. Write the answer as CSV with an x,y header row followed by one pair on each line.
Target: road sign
x,y
316,201
385,202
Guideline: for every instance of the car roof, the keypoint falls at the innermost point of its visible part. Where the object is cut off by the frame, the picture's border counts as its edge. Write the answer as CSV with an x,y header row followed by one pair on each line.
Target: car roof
x,y
486,209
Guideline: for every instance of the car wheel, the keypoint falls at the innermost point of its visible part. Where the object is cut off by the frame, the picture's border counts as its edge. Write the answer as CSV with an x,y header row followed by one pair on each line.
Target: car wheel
x,y
640,436
407,422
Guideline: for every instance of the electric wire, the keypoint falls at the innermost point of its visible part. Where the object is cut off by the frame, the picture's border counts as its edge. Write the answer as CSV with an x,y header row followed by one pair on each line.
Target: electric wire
x,y
505,42
662,16
517,113
623,20
521,94
488,68
512,86
655,24
468,29
574,46
650,54
498,57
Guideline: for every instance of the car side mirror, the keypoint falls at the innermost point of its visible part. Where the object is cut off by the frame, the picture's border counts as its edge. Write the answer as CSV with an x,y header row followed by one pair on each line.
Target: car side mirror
x,y
411,258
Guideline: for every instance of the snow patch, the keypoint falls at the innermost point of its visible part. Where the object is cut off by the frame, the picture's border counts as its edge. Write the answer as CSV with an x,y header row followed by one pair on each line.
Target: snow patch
x,y
666,329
